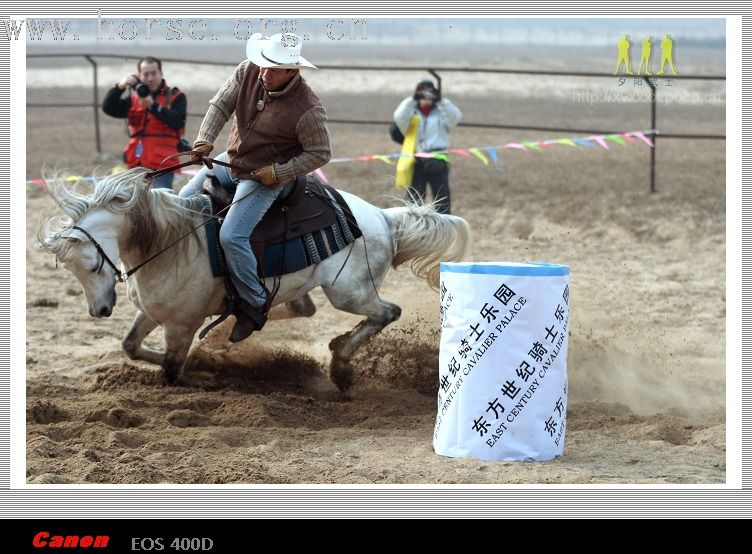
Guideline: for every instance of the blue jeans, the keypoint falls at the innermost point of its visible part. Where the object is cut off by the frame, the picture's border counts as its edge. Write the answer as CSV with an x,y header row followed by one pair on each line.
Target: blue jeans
x,y
197,181
194,186
163,181
240,221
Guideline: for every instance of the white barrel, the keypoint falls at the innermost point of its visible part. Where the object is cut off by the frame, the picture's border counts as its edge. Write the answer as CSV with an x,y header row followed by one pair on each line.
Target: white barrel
x,y
503,360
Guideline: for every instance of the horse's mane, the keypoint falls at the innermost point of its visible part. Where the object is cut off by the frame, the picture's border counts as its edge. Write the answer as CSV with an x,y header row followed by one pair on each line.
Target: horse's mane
x,y
156,217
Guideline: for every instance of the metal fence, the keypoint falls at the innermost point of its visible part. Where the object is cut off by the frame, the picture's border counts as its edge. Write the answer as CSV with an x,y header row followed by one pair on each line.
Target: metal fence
x,y
436,73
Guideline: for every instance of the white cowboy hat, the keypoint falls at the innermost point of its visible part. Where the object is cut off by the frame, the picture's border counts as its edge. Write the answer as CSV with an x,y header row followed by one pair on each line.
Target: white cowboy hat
x,y
273,52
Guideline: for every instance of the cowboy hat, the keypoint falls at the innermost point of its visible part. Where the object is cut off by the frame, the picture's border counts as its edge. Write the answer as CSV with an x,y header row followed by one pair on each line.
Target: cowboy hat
x,y
273,52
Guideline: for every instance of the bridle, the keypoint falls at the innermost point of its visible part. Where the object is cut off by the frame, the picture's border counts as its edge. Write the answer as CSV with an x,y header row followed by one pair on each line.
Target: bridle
x,y
105,258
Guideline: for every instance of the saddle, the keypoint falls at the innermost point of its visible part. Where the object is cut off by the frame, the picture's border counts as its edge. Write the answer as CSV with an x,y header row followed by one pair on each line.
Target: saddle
x,y
303,207
307,223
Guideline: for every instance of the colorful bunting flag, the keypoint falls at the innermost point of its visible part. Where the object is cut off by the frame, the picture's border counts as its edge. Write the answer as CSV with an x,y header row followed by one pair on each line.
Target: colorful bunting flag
x,y
478,154
584,142
320,174
406,158
599,140
640,135
616,138
568,142
494,157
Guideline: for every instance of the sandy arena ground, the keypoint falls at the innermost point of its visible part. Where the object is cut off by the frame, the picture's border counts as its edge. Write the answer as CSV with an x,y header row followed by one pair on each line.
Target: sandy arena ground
x,y
646,352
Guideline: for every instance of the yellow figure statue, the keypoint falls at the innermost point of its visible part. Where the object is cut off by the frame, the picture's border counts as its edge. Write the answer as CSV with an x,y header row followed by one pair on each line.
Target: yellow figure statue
x,y
667,54
623,55
647,51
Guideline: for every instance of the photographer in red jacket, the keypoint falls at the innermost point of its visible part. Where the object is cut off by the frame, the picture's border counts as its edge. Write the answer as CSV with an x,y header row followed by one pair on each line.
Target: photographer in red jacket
x,y
156,117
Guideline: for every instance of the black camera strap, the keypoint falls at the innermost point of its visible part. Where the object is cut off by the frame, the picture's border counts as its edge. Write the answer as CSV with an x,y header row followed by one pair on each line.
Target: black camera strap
x,y
170,91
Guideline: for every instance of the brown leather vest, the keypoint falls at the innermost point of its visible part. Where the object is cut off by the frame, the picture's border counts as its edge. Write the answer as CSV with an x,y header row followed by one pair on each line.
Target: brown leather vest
x,y
263,137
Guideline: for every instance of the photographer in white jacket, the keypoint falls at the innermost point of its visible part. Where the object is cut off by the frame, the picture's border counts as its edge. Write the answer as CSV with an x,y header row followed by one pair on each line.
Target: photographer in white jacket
x,y
437,117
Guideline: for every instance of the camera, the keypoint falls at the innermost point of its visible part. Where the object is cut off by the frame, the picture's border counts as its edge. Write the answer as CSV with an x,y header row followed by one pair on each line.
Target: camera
x,y
426,90
141,88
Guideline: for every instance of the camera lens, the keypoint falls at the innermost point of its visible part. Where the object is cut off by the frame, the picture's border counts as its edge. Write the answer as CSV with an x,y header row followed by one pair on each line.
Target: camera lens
x,y
142,89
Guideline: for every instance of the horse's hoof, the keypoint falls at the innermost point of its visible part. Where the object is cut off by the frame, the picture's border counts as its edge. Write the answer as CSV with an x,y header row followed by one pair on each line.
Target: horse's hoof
x,y
170,376
341,374
338,343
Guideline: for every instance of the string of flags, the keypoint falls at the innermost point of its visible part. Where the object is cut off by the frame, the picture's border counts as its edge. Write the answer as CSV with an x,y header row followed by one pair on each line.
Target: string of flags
x,y
486,154
489,154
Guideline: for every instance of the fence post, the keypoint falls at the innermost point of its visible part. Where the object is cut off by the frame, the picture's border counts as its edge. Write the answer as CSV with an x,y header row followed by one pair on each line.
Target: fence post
x,y
653,93
97,137
438,79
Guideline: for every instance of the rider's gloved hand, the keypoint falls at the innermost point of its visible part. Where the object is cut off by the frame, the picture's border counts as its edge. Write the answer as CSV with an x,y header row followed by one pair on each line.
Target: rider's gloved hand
x,y
266,176
200,149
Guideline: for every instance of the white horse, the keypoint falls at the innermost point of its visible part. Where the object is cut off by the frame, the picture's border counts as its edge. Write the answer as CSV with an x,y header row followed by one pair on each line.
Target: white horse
x,y
127,220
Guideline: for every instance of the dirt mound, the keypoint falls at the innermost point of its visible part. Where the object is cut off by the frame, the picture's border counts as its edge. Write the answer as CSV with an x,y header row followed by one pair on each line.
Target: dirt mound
x,y
125,376
260,371
42,411
403,358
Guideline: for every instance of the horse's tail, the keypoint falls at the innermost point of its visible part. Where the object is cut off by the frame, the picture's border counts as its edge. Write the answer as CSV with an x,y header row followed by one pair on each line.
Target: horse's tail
x,y
425,237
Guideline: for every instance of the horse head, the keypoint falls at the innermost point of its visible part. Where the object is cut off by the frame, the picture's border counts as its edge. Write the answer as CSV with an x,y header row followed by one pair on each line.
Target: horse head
x,y
85,235
93,247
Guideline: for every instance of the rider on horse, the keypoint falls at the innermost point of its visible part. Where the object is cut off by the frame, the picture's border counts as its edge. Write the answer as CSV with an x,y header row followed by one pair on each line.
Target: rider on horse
x,y
278,133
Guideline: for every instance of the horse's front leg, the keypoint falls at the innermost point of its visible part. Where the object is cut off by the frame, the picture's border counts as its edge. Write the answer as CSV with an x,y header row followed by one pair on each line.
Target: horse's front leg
x,y
178,339
132,343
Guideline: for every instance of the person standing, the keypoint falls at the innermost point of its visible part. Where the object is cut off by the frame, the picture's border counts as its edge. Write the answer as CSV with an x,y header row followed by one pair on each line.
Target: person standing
x,y
437,117
156,117
278,133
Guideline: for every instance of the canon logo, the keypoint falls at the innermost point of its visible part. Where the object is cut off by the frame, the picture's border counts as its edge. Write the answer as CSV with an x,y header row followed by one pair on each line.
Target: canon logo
x,y
44,540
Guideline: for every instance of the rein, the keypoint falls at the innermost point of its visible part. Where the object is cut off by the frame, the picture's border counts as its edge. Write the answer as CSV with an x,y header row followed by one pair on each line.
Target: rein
x,y
208,162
